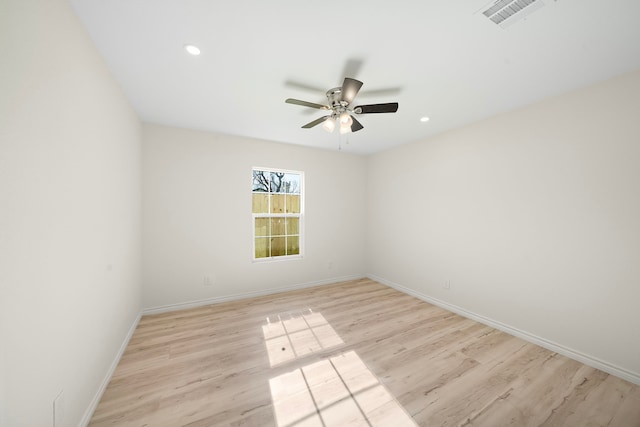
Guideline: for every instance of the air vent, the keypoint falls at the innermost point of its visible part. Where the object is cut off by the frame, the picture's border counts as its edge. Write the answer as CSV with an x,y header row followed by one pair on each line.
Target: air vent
x,y
505,12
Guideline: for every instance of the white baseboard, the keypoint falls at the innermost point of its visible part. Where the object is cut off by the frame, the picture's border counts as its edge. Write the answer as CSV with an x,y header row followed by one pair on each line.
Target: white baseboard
x,y
244,295
105,382
549,345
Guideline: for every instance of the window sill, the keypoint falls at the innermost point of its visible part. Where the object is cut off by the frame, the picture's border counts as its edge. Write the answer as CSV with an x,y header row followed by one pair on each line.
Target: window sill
x,y
278,259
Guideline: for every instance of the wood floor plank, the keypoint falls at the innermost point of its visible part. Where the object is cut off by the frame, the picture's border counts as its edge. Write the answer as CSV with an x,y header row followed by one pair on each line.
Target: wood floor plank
x,y
352,353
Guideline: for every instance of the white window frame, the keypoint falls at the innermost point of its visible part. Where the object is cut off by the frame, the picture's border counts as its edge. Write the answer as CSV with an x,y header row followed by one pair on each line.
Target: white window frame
x,y
300,217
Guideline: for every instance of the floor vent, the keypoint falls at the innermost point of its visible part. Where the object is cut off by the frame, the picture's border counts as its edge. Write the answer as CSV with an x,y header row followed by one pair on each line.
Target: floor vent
x,y
505,12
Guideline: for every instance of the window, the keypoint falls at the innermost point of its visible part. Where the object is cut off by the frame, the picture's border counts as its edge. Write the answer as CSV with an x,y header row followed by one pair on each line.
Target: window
x,y
277,207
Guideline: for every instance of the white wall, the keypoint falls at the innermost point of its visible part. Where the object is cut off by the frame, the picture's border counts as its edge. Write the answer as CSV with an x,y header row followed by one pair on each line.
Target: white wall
x,y
197,216
69,215
533,215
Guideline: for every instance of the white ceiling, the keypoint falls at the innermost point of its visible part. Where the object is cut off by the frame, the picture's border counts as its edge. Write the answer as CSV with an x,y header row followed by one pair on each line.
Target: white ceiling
x,y
439,59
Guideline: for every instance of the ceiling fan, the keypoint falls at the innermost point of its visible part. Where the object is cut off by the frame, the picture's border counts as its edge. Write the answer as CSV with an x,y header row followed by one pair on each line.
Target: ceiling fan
x,y
340,99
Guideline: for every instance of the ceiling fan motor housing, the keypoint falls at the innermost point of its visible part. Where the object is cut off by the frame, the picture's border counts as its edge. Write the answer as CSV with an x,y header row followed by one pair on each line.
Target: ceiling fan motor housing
x,y
335,98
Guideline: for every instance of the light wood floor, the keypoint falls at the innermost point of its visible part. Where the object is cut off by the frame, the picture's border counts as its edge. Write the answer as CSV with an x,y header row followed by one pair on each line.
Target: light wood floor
x,y
353,353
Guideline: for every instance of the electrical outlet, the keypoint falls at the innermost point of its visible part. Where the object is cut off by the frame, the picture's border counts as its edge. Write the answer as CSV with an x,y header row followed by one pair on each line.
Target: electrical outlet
x,y
447,284
208,281
58,410
330,265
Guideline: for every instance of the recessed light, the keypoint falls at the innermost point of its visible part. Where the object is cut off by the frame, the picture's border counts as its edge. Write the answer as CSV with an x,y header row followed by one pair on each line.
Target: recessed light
x,y
424,119
193,50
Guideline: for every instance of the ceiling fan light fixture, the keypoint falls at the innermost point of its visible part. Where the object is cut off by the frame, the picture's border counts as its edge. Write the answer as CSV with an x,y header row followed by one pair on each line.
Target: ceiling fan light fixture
x,y
193,50
344,128
345,120
329,124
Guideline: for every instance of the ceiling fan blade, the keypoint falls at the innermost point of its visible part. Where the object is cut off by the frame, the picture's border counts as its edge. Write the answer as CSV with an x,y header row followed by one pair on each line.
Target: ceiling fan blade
x,y
390,107
388,91
316,122
304,86
352,68
350,89
306,104
356,125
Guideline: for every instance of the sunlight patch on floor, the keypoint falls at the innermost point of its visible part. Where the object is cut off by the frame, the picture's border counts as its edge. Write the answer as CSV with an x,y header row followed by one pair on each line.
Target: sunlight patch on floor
x,y
296,334
340,391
